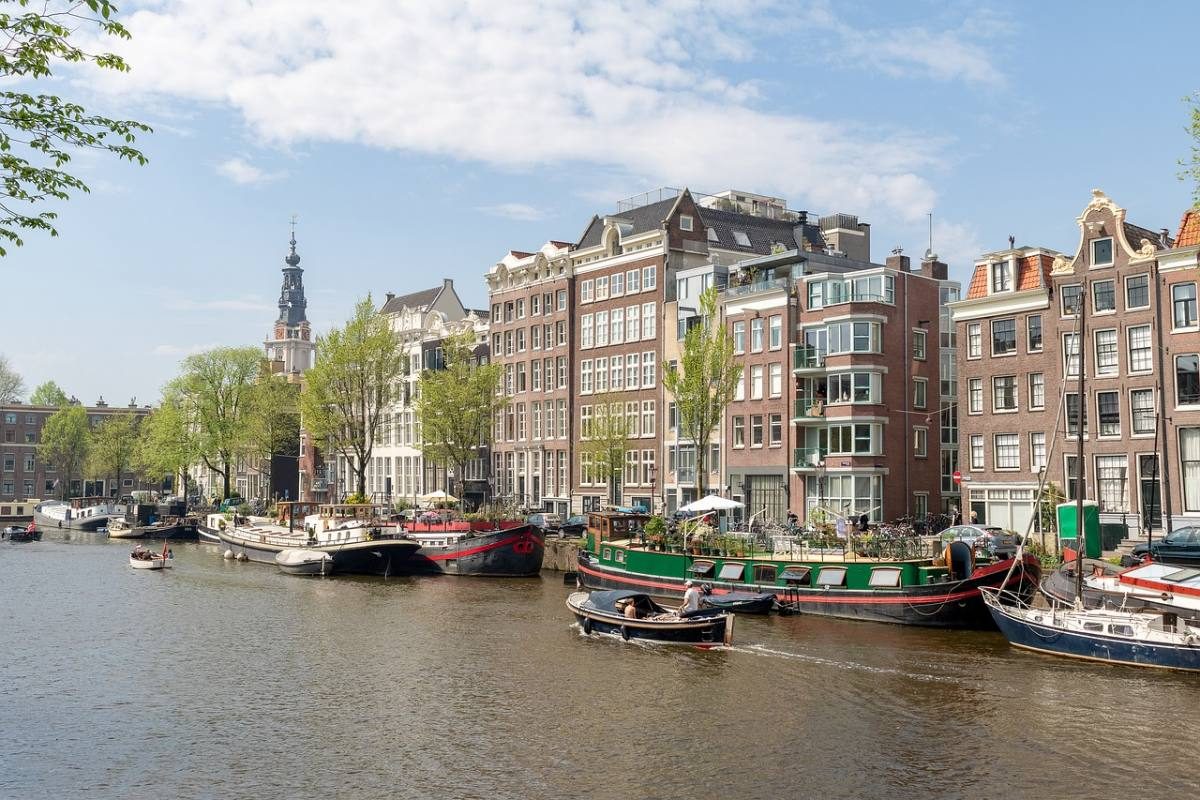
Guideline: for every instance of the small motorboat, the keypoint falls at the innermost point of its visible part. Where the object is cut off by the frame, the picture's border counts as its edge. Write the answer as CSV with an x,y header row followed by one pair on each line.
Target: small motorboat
x,y
298,561
141,558
738,602
635,615
16,533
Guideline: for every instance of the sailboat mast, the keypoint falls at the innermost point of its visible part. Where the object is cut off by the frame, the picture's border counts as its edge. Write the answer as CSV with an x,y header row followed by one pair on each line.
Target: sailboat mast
x,y
1079,427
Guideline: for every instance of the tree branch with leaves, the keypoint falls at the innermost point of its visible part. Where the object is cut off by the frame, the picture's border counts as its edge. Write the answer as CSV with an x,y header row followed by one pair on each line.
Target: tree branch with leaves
x,y
114,447
604,437
273,424
66,442
11,384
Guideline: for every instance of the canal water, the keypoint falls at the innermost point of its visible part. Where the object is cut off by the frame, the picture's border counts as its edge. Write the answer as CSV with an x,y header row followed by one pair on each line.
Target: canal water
x,y
230,680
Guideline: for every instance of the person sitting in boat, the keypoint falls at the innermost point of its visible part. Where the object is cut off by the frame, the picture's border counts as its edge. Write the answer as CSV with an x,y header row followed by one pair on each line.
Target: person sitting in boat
x,y
631,609
691,599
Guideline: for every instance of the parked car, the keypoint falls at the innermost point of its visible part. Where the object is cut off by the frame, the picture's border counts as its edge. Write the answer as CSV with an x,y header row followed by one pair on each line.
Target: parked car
x,y
1180,546
547,522
988,538
574,526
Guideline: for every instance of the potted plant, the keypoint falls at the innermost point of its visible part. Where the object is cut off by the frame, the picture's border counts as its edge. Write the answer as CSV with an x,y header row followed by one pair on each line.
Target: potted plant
x,y
655,531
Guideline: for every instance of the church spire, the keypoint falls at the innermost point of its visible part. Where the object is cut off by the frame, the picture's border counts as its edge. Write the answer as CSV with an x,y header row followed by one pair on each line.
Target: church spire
x,y
292,305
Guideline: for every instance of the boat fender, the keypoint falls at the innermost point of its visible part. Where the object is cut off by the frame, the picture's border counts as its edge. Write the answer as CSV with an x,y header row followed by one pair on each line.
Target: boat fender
x,y
1190,640
1166,595
228,554
625,632
243,557
587,626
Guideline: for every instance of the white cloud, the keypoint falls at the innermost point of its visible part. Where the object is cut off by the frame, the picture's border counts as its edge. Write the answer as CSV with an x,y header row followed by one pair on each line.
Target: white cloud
x,y
244,173
632,88
520,212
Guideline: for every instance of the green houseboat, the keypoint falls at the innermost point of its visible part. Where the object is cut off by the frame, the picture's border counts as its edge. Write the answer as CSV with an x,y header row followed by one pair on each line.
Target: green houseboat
x,y
829,581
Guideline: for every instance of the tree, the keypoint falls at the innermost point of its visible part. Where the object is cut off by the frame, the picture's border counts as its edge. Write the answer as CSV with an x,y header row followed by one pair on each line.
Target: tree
x,y
1191,165
165,445
49,394
604,438
347,392
705,381
66,441
11,385
215,388
457,406
39,132
273,424
114,445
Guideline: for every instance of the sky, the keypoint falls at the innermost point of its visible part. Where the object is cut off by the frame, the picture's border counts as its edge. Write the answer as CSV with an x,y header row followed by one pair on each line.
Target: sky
x,y
416,140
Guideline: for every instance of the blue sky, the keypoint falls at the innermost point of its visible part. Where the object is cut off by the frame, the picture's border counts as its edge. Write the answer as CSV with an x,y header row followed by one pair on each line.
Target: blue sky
x,y
416,141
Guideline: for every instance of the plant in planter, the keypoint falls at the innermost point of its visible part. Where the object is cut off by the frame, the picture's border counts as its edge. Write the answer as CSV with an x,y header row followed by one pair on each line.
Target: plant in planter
x,y
655,531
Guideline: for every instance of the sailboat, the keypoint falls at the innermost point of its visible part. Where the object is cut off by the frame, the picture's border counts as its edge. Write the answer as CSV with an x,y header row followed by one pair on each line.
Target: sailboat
x,y
1143,638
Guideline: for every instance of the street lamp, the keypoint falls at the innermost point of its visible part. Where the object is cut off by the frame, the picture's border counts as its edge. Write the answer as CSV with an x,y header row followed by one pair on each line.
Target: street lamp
x,y
653,483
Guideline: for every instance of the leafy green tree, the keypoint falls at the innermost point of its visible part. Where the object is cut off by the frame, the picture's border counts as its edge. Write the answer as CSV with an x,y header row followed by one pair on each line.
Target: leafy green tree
x,y
215,388
165,444
11,385
39,132
1191,165
66,442
705,381
457,406
114,446
273,423
347,392
49,394
604,438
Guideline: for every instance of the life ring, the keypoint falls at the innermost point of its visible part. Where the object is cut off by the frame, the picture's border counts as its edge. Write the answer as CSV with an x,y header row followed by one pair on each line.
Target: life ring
x,y
587,626
625,632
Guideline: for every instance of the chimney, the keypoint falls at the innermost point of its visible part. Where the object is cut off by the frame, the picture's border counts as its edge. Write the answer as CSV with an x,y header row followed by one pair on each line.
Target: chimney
x,y
898,262
390,296
932,268
1164,236
448,283
100,403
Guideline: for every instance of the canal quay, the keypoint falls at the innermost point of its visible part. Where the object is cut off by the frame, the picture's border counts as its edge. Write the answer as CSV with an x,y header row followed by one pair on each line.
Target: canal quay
x,y
225,679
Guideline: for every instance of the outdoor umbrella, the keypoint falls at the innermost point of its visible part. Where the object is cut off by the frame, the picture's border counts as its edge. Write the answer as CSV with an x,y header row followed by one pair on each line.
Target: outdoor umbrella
x,y
711,503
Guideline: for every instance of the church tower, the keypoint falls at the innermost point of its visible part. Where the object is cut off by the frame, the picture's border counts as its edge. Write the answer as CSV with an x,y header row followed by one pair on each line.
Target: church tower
x,y
291,349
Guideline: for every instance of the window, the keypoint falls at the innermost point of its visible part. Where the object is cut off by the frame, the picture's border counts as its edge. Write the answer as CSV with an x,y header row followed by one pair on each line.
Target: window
x,y
1141,354
1004,393
1137,292
562,373
739,337
631,371
649,278
1071,353
975,396
1112,479
520,376
633,323
561,297
562,333
739,392
536,335
585,331
521,308
1004,337
685,222
974,340
976,451
1183,301
776,332
647,418
920,392
739,431
648,320
1103,297
756,382
617,371
756,430
1037,451
1072,296
535,306
585,376
633,281
1141,411
648,370
920,442
617,284
756,335
1007,451
601,375
520,340
1187,380
1102,252
775,371
1002,277
1037,390
918,345
1072,412
601,328
1108,405
602,288
1189,458
853,387
776,430
617,326
741,238
1106,352
1033,324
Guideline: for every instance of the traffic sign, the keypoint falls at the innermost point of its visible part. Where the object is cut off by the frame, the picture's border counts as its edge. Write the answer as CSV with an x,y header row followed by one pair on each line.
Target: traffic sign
x,y
957,476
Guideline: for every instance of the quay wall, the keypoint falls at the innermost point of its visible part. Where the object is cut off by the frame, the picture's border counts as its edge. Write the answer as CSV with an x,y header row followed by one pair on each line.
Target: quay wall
x,y
561,554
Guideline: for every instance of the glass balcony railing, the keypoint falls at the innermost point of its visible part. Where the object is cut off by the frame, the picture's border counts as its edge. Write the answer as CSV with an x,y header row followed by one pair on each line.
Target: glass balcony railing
x,y
808,457
808,407
755,287
807,357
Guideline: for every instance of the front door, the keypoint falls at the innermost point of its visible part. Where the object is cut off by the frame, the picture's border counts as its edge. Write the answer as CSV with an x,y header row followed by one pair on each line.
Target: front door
x,y
1151,487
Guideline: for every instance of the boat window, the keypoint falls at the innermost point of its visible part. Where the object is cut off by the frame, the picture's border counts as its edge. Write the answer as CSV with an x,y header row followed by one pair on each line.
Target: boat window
x,y
606,553
701,568
1121,630
1180,575
765,573
796,575
831,576
1093,626
885,577
620,556
731,572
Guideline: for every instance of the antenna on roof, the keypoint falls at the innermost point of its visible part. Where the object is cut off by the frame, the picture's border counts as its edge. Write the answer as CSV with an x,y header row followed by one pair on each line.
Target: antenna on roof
x,y
929,254
1012,241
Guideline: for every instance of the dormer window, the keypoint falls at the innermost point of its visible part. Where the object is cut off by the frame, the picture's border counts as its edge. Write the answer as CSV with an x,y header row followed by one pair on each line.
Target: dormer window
x,y
1102,252
1002,276
685,222
741,238
712,235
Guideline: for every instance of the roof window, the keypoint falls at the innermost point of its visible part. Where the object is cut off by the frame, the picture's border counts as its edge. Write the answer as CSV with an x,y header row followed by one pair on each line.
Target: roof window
x,y
741,238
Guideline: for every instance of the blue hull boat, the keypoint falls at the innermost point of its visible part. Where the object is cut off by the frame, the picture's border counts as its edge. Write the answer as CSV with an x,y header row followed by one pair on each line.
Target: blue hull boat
x,y
1130,638
604,613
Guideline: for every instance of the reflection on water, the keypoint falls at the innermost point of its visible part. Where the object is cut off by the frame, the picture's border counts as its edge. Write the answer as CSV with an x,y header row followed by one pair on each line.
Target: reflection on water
x,y
223,679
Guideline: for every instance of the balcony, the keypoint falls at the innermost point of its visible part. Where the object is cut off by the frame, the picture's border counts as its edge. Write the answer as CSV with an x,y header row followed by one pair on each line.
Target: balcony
x,y
807,357
808,458
808,409
757,287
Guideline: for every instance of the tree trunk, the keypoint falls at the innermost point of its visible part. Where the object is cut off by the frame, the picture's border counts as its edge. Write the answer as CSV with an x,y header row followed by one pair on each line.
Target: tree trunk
x,y
225,478
701,469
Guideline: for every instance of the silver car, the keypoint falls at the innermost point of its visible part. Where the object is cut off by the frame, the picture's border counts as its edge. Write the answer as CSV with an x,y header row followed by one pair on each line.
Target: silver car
x,y
990,539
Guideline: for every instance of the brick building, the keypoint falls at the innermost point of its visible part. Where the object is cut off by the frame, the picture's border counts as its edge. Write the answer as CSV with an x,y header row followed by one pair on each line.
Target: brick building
x,y
1018,342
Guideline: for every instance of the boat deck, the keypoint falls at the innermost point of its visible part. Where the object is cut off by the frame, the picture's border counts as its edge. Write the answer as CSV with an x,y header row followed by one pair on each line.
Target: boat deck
x,y
791,552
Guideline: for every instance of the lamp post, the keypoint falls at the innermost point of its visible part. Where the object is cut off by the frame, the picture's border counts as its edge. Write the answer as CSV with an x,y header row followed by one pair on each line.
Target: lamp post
x,y
653,483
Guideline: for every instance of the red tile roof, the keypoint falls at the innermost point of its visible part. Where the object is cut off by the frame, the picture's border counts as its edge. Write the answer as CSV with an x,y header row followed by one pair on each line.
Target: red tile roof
x,y
520,253
1033,272
1189,229
978,287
